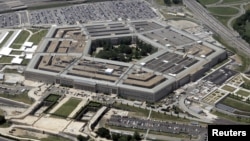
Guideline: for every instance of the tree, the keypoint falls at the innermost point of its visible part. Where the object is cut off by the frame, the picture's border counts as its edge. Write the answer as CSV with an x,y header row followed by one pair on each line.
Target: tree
x,y
2,119
103,132
177,1
167,2
137,136
81,138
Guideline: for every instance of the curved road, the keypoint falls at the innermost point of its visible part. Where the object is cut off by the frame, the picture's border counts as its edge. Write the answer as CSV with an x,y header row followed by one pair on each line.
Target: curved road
x,y
229,36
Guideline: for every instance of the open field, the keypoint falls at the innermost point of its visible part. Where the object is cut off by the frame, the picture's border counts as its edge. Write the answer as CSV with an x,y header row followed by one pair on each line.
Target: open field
x,y
67,107
228,88
233,118
223,10
19,97
236,104
6,38
18,42
37,37
243,93
223,19
235,1
206,2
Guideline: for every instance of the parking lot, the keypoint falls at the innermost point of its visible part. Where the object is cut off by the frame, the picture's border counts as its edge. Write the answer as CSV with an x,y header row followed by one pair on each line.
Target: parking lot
x,y
153,125
102,11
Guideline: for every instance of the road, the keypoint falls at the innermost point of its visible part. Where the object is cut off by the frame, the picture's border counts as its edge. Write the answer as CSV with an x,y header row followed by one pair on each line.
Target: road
x,y
12,103
229,36
5,139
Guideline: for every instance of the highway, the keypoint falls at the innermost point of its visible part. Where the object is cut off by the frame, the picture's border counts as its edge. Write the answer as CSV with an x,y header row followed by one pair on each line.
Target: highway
x,y
230,36
12,103
5,139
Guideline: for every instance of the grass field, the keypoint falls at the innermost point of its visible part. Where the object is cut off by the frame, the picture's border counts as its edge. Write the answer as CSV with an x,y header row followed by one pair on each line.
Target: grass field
x,y
16,52
206,2
223,19
223,10
37,37
52,98
53,138
6,59
67,107
228,88
144,113
233,118
6,38
25,62
236,104
243,93
247,28
235,1
19,97
18,42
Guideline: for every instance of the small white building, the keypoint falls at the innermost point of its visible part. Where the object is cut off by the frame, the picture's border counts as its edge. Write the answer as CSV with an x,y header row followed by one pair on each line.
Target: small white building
x,y
16,60
28,44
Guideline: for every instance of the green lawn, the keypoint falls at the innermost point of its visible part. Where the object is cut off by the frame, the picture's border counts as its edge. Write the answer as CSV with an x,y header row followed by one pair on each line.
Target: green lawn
x,y
53,138
206,2
228,88
223,10
16,52
52,98
6,59
243,93
19,97
37,37
235,1
138,111
247,28
18,42
6,38
67,107
25,62
223,19
229,117
236,104
144,113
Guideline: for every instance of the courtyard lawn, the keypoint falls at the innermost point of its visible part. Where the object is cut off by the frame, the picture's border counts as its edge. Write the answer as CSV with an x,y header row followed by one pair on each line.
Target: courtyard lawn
x,y
243,93
236,104
16,52
6,38
228,88
18,42
6,59
67,107
37,37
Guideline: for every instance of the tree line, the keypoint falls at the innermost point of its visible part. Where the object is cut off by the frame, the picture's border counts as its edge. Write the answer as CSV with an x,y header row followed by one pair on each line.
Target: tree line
x,y
242,26
170,2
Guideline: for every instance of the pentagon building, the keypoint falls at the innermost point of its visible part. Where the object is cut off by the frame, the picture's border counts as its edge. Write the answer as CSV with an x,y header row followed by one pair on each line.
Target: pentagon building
x,y
64,57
